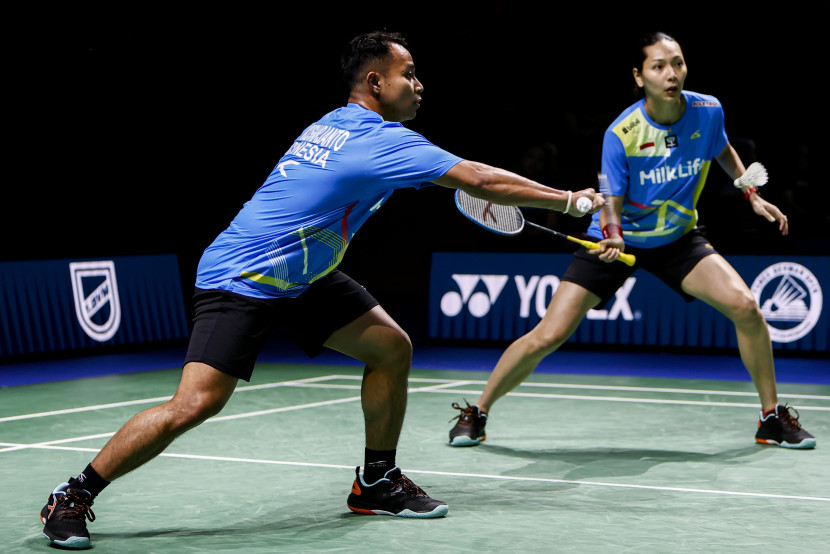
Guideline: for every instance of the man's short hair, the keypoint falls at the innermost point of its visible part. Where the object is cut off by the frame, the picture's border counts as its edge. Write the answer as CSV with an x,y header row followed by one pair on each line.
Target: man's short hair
x,y
364,50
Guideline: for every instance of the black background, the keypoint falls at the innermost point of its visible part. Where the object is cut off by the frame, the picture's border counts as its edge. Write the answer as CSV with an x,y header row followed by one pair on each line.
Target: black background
x,y
143,131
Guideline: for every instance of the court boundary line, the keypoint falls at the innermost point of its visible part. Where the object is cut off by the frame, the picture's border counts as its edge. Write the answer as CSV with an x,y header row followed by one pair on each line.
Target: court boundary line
x,y
438,386
475,475
214,419
314,382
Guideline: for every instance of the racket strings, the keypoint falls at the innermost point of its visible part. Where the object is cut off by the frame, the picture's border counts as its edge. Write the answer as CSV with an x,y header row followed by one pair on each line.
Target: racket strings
x,y
504,219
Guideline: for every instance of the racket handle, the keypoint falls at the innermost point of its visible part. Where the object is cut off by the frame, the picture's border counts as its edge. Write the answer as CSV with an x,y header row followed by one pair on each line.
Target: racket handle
x,y
627,259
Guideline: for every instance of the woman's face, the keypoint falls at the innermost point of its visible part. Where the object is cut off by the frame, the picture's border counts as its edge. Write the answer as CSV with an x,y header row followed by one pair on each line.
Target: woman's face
x,y
664,71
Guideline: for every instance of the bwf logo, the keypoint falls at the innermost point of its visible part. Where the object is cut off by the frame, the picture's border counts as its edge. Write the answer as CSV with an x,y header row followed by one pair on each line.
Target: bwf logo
x,y
534,294
95,292
790,298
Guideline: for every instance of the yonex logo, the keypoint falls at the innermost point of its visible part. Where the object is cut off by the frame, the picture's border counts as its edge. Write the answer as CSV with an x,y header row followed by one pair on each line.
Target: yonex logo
x,y
478,303
790,298
534,293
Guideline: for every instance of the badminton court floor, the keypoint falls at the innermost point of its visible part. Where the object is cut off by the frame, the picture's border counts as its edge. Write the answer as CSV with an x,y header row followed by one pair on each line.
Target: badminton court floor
x,y
573,462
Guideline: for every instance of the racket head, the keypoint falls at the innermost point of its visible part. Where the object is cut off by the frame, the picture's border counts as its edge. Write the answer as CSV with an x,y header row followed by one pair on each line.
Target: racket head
x,y
504,220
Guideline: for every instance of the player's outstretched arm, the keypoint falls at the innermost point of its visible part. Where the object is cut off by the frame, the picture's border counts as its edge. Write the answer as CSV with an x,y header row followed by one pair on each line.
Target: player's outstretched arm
x,y
510,189
732,165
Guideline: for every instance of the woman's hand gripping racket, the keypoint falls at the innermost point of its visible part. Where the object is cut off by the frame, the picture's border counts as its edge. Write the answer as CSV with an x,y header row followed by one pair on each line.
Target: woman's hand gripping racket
x,y
508,220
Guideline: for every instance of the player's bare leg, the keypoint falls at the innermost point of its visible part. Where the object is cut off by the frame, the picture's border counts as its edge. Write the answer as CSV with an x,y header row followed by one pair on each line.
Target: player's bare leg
x,y
202,393
378,341
717,283
568,306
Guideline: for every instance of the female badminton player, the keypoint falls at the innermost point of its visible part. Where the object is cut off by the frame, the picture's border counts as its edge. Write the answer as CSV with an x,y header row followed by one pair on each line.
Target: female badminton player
x,y
655,159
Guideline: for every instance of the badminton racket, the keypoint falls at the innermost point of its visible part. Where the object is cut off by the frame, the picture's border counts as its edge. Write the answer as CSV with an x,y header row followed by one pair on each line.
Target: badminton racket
x,y
508,220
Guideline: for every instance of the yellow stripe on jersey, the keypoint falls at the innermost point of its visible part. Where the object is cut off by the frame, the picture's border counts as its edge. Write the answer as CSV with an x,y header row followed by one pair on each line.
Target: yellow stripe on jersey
x,y
639,138
322,235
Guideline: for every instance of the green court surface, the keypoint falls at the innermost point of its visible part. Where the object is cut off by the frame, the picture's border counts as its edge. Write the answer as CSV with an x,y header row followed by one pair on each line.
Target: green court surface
x,y
572,463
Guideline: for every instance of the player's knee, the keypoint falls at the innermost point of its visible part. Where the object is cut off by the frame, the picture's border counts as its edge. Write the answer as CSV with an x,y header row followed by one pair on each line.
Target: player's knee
x,y
745,310
191,410
546,341
395,353
400,354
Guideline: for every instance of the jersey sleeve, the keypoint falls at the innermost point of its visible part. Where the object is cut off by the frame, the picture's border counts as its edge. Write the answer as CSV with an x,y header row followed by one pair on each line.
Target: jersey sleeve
x,y
721,140
402,158
614,164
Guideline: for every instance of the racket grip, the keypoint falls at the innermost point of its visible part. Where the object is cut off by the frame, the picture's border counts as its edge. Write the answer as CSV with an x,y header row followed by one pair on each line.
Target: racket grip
x,y
627,259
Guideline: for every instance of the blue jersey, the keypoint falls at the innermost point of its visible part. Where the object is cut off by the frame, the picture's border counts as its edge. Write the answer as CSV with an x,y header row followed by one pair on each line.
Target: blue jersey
x,y
296,227
660,170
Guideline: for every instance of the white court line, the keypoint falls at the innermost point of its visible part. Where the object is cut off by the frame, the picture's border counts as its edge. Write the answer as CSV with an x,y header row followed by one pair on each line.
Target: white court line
x,y
297,382
480,476
219,418
605,387
635,400
449,383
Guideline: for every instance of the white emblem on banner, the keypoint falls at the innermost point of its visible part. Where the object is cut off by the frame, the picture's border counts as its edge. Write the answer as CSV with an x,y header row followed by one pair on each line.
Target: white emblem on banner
x,y
790,299
478,303
96,291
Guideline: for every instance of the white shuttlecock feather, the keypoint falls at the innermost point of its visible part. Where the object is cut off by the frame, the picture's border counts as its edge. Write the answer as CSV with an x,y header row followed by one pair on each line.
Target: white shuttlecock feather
x,y
754,176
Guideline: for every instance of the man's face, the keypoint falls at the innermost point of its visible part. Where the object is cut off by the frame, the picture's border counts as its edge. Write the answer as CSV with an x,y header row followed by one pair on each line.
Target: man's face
x,y
400,90
664,71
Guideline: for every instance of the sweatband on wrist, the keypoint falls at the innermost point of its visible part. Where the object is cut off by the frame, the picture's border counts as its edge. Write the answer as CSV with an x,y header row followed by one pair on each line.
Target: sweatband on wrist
x,y
611,229
568,205
748,191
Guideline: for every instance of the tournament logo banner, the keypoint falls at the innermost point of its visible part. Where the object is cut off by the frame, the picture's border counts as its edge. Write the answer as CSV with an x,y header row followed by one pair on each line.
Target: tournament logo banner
x,y
95,291
73,305
791,300
502,296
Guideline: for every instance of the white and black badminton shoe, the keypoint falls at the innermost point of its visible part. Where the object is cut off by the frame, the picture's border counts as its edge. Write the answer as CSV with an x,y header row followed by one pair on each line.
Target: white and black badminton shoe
x,y
469,430
64,517
782,428
393,495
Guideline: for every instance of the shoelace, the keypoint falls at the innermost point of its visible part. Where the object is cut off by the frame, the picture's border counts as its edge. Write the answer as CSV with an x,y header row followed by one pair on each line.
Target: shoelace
x,y
788,419
79,509
409,487
466,414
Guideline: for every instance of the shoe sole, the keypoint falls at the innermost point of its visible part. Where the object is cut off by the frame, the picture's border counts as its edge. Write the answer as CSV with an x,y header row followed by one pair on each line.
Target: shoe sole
x,y
806,444
439,511
463,440
75,543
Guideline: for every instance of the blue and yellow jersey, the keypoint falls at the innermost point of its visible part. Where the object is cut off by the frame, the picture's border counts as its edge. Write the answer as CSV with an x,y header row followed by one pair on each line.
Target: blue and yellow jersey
x,y
660,170
298,224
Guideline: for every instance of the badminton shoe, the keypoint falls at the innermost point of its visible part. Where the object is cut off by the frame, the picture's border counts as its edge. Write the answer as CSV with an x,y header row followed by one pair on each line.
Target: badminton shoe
x,y
469,431
393,495
64,517
783,429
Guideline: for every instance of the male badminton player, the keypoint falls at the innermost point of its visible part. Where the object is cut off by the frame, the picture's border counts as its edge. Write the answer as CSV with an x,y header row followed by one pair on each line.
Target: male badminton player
x,y
655,158
275,269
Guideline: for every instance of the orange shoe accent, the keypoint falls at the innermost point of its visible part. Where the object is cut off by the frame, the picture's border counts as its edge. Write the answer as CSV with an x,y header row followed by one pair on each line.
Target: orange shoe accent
x,y
356,488
362,511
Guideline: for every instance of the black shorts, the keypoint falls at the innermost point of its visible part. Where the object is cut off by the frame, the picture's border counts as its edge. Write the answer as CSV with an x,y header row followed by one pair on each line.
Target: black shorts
x,y
670,263
230,330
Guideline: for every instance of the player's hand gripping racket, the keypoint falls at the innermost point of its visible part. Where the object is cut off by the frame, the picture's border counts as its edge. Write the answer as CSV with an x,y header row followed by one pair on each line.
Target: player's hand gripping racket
x,y
508,220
